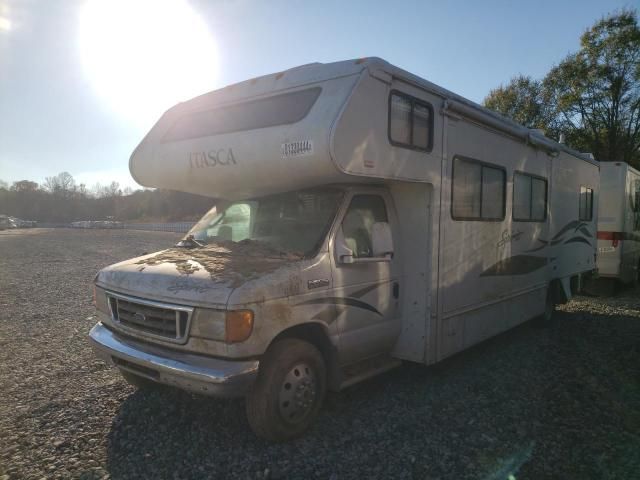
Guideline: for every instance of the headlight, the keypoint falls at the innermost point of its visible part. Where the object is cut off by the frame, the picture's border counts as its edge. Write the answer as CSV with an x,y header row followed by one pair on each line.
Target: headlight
x,y
208,324
231,326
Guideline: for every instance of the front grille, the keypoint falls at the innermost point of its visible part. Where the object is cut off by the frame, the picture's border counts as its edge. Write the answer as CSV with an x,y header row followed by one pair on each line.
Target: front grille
x,y
170,322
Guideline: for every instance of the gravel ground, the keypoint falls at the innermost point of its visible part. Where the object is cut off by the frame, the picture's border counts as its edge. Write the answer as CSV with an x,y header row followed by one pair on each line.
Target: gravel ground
x,y
562,402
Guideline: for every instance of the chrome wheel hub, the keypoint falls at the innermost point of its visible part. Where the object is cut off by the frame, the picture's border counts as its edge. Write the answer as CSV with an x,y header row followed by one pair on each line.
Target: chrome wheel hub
x,y
297,393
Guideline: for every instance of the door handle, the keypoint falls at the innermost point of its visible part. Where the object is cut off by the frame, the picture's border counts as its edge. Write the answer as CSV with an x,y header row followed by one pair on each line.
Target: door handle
x,y
396,290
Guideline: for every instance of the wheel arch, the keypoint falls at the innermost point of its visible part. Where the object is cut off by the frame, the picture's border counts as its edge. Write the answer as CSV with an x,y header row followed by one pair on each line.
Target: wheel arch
x,y
317,334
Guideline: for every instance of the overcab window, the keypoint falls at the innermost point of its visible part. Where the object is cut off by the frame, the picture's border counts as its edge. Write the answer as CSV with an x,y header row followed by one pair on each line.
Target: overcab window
x,y
410,122
529,198
272,111
478,190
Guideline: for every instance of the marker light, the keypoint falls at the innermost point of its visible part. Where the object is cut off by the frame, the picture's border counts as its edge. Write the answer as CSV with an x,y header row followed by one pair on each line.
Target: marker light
x,y
239,325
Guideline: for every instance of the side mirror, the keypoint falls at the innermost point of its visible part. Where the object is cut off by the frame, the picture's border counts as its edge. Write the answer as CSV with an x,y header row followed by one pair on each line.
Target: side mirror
x,y
381,240
344,254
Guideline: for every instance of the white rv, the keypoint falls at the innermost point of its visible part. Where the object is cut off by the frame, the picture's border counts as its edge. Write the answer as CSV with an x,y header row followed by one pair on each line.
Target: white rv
x,y
619,223
364,216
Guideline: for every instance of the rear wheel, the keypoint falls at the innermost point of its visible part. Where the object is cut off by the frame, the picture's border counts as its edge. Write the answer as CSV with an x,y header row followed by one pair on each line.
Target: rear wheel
x,y
548,316
289,391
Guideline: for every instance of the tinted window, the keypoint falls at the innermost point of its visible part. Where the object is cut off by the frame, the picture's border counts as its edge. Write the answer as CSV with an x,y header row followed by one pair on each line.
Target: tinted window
x,y
266,112
529,198
586,204
467,187
421,126
400,119
410,122
363,212
521,197
477,191
493,183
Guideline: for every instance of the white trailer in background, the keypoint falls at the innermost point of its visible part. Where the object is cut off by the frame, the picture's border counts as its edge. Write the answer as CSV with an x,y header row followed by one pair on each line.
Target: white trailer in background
x,y
619,223
367,216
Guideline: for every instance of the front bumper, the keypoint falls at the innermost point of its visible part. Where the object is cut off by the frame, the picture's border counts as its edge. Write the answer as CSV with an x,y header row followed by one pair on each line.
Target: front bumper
x,y
195,373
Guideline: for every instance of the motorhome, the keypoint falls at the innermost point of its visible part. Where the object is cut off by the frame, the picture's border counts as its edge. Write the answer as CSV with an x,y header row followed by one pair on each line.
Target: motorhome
x,y
363,217
618,224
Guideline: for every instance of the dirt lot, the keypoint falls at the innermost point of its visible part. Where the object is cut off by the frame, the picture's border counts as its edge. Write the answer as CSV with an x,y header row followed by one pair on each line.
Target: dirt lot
x,y
562,402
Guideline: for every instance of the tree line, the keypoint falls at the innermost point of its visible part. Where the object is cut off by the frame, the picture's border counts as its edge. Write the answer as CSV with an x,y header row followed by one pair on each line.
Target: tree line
x,y
59,199
592,97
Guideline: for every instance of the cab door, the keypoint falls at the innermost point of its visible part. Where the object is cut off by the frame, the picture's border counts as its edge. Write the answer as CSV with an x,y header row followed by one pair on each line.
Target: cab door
x,y
367,285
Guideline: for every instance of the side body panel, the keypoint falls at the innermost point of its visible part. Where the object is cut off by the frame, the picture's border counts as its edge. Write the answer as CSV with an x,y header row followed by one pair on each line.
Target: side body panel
x,y
493,275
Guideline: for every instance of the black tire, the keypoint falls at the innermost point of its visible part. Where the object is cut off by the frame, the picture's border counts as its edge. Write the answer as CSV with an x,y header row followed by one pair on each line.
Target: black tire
x,y
140,383
289,391
547,319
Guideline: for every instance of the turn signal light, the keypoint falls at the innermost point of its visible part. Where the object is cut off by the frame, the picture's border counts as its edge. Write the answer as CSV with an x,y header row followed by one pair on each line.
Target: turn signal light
x,y
239,325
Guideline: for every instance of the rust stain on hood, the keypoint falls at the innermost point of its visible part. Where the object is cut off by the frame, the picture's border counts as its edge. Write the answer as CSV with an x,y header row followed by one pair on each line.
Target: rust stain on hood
x,y
233,262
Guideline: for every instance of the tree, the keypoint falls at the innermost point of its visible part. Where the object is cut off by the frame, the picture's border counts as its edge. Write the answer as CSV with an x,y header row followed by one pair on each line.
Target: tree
x,y
4,185
113,190
522,100
597,90
592,96
24,186
62,184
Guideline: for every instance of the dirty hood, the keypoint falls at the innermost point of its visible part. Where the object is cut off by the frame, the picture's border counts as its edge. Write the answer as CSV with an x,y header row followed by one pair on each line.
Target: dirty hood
x,y
204,276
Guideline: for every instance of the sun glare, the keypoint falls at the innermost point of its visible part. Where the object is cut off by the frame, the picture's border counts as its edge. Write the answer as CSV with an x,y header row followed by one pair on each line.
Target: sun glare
x,y
144,56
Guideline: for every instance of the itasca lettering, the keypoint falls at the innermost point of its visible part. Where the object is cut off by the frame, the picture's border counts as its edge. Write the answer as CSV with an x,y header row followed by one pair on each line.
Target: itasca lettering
x,y
212,158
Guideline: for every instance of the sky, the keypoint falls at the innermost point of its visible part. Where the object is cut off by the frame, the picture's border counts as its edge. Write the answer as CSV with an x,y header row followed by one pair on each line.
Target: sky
x,y
81,82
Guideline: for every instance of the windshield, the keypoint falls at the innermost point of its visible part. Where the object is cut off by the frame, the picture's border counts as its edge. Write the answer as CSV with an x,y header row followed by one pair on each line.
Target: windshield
x,y
293,222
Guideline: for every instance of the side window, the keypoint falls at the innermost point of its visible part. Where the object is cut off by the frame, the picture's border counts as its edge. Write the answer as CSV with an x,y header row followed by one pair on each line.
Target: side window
x,y
363,212
586,204
410,122
478,190
529,198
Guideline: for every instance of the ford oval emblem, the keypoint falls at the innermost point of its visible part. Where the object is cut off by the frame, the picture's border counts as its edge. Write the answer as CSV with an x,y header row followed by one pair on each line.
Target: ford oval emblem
x,y
139,317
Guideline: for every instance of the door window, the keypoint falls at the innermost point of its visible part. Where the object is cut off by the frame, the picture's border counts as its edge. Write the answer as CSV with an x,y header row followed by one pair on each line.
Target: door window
x,y
363,212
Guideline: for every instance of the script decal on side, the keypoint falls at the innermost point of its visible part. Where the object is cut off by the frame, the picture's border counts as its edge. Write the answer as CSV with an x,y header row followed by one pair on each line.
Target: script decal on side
x,y
212,158
297,149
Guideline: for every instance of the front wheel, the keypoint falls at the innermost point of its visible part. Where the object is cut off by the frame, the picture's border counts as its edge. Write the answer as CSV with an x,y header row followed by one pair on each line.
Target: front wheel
x,y
289,391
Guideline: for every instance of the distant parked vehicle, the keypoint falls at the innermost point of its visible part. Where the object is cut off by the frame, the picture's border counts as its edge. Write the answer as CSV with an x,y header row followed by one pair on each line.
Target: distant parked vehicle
x,y
619,223
110,224
5,222
20,223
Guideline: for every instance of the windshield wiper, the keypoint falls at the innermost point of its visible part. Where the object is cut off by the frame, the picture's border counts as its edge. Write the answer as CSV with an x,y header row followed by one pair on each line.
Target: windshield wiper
x,y
189,242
